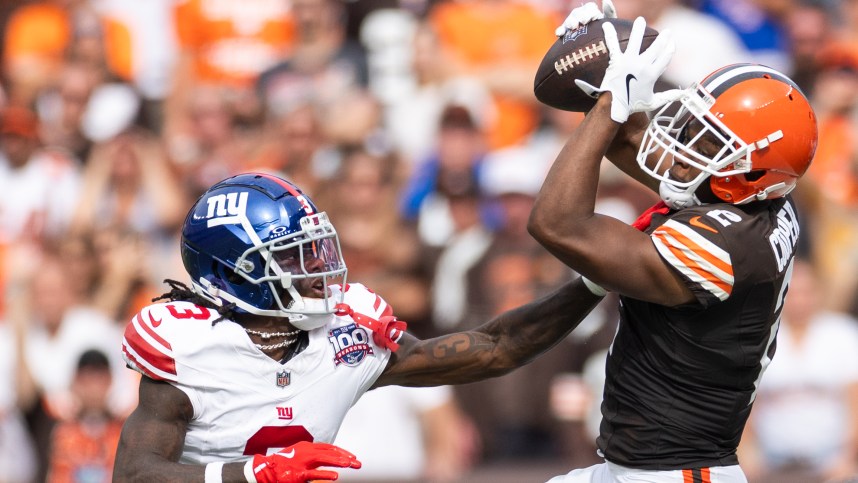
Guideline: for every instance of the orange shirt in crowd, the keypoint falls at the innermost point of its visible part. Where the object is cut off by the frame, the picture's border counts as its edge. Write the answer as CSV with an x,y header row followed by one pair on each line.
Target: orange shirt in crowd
x,y
79,454
488,34
40,30
233,41
834,163
119,48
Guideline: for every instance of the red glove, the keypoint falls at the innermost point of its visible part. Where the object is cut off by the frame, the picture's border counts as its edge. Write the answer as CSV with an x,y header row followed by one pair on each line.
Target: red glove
x,y
298,463
386,331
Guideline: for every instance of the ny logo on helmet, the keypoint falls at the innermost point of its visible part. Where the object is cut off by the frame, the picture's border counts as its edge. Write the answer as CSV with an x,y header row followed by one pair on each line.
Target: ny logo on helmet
x,y
226,208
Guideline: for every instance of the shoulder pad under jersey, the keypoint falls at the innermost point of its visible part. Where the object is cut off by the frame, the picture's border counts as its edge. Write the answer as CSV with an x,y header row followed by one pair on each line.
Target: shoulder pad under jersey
x,y
150,339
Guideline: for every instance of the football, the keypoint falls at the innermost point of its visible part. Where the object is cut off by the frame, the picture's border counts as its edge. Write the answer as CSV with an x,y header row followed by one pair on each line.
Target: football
x,y
580,54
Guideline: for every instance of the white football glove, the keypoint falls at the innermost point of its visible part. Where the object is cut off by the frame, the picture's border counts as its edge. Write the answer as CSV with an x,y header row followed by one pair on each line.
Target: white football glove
x,y
585,14
631,75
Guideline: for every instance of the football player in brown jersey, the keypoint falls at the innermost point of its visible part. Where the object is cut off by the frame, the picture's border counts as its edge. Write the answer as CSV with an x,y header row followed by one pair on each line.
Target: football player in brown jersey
x,y
703,275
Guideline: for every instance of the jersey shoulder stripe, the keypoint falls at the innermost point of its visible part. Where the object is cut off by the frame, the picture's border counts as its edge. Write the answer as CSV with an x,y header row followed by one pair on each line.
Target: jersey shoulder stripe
x,y
696,257
147,352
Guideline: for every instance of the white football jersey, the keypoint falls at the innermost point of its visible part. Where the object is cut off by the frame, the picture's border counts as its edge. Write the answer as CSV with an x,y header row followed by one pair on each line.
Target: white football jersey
x,y
244,402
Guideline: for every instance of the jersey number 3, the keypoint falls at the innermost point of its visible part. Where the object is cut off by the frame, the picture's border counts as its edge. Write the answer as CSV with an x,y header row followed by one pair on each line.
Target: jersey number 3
x,y
202,313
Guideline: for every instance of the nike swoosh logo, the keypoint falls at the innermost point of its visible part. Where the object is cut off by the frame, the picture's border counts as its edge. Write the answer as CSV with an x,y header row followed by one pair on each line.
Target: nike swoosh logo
x,y
695,221
288,455
629,79
155,323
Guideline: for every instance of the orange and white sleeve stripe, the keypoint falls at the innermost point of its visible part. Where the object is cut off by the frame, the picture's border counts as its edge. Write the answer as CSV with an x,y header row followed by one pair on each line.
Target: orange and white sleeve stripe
x,y
697,258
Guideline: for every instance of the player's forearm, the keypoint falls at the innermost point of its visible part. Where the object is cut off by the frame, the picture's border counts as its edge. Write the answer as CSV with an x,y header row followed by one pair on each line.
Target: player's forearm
x,y
155,468
562,218
493,349
516,337
577,164
524,333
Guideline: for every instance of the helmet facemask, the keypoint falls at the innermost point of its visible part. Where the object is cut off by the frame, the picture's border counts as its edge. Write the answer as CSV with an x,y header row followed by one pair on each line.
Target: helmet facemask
x,y
670,139
310,258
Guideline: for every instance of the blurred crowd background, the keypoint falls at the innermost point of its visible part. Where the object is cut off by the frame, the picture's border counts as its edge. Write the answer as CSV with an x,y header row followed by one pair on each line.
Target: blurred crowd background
x,y
413,124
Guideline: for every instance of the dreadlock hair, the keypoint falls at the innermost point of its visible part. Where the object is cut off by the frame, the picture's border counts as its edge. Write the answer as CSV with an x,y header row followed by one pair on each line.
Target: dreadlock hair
x,y
179,292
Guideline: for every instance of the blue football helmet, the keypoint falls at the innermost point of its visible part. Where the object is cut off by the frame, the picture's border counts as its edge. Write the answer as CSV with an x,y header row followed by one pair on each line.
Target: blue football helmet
x,y
253,239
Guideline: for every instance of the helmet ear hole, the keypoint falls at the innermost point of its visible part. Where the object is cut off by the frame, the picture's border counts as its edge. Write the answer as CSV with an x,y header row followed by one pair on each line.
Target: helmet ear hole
x,y
752,176
234,278
224,273
230,275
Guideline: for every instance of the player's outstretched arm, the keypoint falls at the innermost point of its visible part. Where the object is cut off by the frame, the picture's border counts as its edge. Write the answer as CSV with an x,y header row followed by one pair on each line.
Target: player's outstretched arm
x,y
511,340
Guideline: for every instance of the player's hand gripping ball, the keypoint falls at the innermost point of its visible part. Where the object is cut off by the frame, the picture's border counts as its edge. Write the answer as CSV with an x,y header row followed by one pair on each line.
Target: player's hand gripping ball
x,y
580,54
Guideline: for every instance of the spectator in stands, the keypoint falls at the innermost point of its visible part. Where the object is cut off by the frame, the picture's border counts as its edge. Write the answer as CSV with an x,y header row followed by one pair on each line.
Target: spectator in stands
x,y
294,142
33,62
17,454
836,99
847,13
413,113
67,30
703,43
510,179
83,447
834,189
810,28
129,265
760,24
141,48
457,157
321,50
61,110
804,426
213,147
315,98
227,45
513,269
56,330
500,42
40,186
452,263
518,425
233,43
128,184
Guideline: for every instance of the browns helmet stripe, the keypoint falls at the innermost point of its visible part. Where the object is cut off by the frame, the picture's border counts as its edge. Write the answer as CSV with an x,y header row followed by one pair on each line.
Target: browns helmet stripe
x,y
722,79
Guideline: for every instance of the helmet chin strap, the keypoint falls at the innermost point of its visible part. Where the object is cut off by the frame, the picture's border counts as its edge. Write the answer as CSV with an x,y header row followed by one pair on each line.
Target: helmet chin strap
x,y
678,199
308,321
300,321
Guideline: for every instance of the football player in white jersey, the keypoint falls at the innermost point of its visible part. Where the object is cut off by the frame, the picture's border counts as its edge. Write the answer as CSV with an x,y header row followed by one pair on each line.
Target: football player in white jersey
x,y
249,371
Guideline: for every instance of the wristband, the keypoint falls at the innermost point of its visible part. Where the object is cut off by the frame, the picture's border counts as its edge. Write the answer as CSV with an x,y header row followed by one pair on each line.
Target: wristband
x,y
214,472
249,475
593,287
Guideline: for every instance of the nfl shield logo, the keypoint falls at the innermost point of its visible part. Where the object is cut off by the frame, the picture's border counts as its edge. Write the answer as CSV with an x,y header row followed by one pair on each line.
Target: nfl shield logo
x,y
283,379
574,34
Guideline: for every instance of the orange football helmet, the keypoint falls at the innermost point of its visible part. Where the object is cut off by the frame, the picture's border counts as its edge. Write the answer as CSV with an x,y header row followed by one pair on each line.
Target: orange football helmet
x,y
762,125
